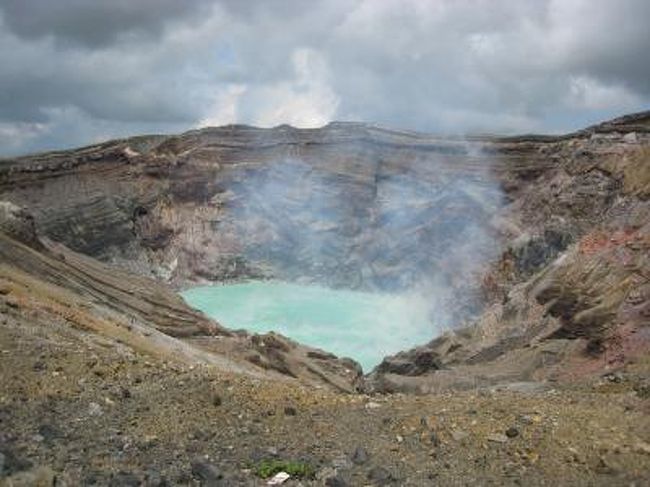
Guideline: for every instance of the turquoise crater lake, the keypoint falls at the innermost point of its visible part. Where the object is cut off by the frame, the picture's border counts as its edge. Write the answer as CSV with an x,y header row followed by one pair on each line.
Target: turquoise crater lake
x,y
364,326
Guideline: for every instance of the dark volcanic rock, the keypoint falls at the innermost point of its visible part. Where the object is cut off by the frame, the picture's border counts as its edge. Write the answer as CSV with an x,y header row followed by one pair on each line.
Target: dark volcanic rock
x,y
336,481
12,461
512,432
359,456
18,223
207,473
125,479
380,476
414,363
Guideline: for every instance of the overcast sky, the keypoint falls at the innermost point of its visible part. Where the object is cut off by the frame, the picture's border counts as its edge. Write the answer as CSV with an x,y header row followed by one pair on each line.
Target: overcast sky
x,y
75,72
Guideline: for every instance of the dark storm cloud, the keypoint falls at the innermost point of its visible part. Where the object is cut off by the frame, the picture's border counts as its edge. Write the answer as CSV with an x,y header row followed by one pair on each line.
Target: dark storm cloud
x,y
76,71
614,45
93,23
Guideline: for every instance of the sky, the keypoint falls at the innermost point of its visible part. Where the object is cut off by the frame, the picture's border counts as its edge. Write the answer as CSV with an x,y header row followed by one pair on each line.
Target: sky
x,y
75,72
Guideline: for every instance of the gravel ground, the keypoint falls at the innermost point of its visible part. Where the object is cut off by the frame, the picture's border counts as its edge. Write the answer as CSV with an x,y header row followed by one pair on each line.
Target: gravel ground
x,y
78,409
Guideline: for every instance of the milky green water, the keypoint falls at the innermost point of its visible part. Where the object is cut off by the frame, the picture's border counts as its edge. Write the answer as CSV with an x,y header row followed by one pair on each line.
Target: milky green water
x,y
361,325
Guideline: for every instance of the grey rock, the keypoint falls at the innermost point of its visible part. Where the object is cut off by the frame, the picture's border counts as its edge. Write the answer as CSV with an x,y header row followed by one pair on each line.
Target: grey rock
x,y
335,481
125,479
49,433
18,223
95,409
459,435
418,362
615,377
630,138
341,463
359,456
206,472
12,463
526,419
434,439
497,438
380,476
39,365
155,479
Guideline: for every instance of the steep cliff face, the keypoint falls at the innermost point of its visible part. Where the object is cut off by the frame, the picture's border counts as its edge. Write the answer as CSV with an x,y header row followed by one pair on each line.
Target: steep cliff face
x,y
522,239
569,294
347,205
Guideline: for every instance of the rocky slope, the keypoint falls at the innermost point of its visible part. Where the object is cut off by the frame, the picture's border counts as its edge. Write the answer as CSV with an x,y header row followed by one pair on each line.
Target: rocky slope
x,y
46,282
569,295
539,251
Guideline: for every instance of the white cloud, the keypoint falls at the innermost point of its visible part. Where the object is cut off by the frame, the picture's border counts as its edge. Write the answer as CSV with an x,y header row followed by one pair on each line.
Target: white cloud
x,y
16,135
225,109
306,100
592,94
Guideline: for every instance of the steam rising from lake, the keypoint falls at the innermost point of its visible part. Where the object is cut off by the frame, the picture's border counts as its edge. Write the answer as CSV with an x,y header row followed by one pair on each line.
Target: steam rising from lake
x,y
366,326
412,227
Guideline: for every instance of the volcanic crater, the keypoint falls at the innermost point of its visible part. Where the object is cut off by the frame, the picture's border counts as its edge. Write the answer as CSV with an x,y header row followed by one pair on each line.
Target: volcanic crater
x,y
526,260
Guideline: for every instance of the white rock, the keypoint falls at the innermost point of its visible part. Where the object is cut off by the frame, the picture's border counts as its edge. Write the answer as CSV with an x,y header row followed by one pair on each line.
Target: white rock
x,y
95,409
128,152
279,478
642,447
497,438
458,435
630,138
